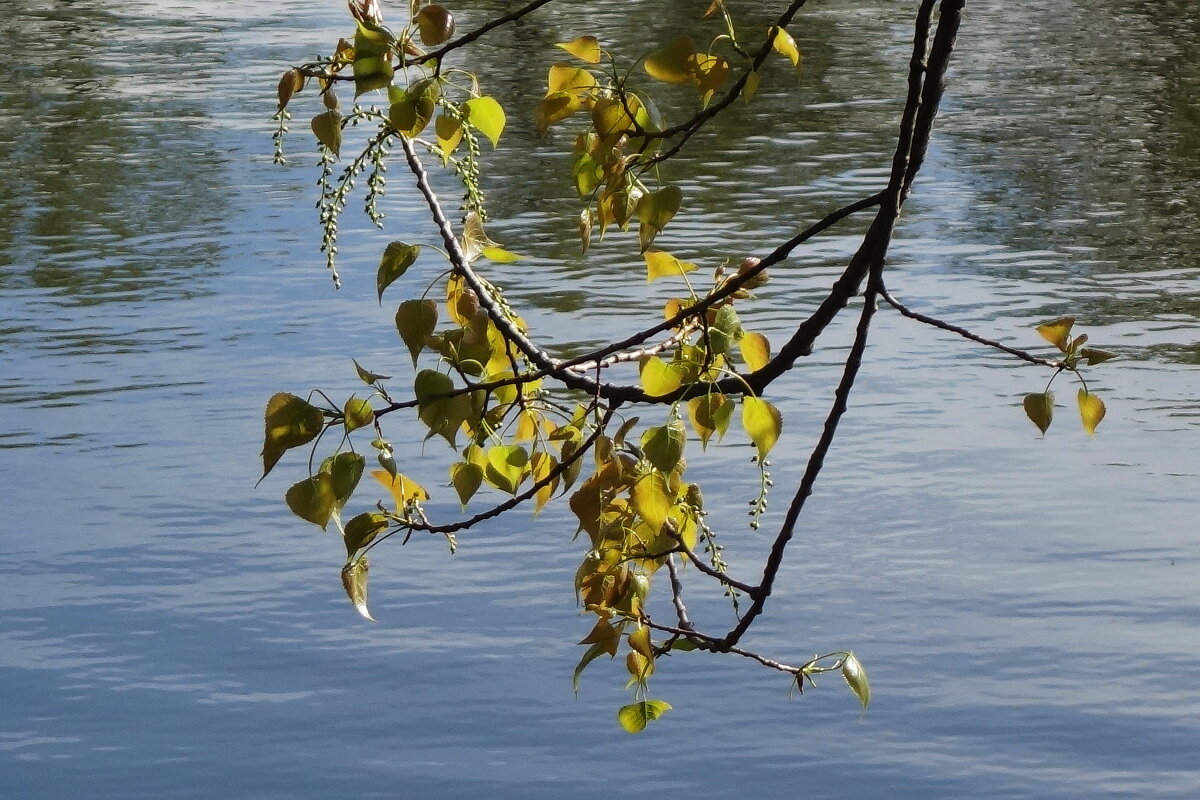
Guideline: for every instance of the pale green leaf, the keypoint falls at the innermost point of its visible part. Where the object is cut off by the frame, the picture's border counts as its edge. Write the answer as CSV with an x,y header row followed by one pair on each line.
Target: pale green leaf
x,y
635,716
486,114
660,377
506,466
652,500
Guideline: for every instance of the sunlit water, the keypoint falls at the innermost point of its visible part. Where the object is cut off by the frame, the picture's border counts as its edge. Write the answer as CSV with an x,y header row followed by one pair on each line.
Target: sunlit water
x,y
1027,608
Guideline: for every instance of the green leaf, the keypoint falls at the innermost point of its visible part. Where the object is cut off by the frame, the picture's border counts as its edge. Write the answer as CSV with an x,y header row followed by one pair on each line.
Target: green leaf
x,y
1091,410
368,377
397,258
663,445
358,413
660,264
413,109
466,478
1039,407
354,581
435,25
506,466
726,329
1095,355
635,716
362,530
486,114
762,423
344,470
585,48
313,499
290,422
682,645
372,58
785,45
415,320
328,129
855,676
674,63
660,377
1057,332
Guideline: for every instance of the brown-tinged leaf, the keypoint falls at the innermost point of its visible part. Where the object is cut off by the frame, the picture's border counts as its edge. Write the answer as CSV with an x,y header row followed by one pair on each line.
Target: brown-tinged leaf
x,y
291,82
435,25
1057,331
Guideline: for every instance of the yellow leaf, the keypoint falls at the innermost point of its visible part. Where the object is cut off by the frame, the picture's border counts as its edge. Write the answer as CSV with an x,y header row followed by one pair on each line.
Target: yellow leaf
x,y
661,264
762,422
403,489
565,78
1091,411
1057,331
785,45
756,350
585,48
652,500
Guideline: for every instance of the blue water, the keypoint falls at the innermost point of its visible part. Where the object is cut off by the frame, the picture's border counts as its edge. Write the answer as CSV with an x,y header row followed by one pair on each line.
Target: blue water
x,y
1027,608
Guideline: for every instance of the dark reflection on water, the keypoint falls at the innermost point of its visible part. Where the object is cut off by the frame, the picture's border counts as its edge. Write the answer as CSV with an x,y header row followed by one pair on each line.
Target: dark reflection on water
x,y
1027,608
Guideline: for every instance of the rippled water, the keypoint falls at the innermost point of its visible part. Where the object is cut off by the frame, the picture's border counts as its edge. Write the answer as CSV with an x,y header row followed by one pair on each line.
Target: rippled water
x,y
1027,608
